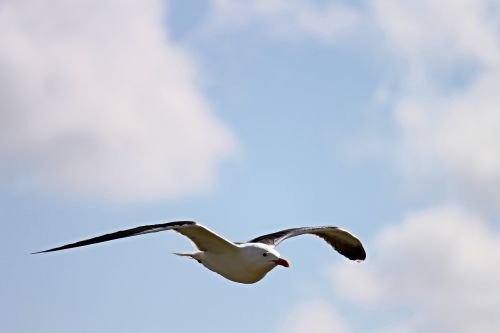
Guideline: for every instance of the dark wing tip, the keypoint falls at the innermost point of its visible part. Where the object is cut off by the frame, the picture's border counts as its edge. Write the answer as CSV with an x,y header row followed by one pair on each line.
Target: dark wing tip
x,y
42,251
121,234
64,247
356,253
343,242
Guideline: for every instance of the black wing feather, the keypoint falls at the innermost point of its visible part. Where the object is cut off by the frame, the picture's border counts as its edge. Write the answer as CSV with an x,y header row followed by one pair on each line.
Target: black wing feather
x,y
145,229
341,240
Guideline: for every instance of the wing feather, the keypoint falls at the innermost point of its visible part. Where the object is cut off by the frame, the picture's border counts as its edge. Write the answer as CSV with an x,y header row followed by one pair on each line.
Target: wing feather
x,y
203,238
341,240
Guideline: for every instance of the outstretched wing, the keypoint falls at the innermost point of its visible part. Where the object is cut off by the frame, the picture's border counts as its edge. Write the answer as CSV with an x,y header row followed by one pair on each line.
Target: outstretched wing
x,y
203,238
341,240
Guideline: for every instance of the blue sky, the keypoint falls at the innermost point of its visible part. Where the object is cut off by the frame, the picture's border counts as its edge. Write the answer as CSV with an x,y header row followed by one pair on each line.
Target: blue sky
x,y
249,117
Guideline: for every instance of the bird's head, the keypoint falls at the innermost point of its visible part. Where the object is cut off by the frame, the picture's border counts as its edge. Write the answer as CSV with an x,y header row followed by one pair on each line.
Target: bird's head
x,y
265,255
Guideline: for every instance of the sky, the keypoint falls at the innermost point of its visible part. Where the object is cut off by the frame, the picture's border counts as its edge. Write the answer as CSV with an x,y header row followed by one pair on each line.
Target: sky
x,y
381,117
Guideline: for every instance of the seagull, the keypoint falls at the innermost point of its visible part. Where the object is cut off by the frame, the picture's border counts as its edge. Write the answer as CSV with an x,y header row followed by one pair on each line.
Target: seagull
x,y
246,262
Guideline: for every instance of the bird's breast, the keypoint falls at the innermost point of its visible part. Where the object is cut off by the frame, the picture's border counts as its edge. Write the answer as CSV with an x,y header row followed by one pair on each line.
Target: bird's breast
x,y
234,267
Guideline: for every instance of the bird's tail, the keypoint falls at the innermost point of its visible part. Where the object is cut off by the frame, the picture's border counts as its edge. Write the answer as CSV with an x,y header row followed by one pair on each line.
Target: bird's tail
x,y
185,254
194,256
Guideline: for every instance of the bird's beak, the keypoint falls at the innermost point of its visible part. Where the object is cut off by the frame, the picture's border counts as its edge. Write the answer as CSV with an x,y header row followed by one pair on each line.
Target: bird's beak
x,y
282,262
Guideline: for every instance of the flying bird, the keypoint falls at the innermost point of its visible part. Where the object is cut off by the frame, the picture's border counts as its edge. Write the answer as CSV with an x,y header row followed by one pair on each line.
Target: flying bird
x,y
246,262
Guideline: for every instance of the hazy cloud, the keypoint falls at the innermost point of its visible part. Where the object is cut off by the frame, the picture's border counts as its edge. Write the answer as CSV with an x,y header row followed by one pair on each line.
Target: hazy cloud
x,y
435,272
288,19
95,98
441,87
447,105
313,316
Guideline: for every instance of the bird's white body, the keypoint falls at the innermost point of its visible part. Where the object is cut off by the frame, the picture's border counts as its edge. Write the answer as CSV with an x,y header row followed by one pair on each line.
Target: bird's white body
x,y
244,265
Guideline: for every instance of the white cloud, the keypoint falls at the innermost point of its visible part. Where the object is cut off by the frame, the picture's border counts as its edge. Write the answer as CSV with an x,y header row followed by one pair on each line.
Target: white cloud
x,y
445,70
97,99
446,108
429,31
313,316
437,271
288,19
456,136
442,57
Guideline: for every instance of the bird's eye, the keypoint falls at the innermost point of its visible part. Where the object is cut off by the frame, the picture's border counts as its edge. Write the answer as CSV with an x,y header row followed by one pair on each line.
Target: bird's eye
x,y
264,254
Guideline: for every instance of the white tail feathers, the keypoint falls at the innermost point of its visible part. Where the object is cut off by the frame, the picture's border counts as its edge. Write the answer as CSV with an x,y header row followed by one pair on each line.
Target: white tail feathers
x,y
184,254
190,255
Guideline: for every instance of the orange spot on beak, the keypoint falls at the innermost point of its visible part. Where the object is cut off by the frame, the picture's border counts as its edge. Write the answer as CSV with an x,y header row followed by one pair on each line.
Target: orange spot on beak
x,y
282,262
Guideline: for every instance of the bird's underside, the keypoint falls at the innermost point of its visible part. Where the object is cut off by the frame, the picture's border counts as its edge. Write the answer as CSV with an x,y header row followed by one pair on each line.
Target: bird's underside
x,y
246,262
